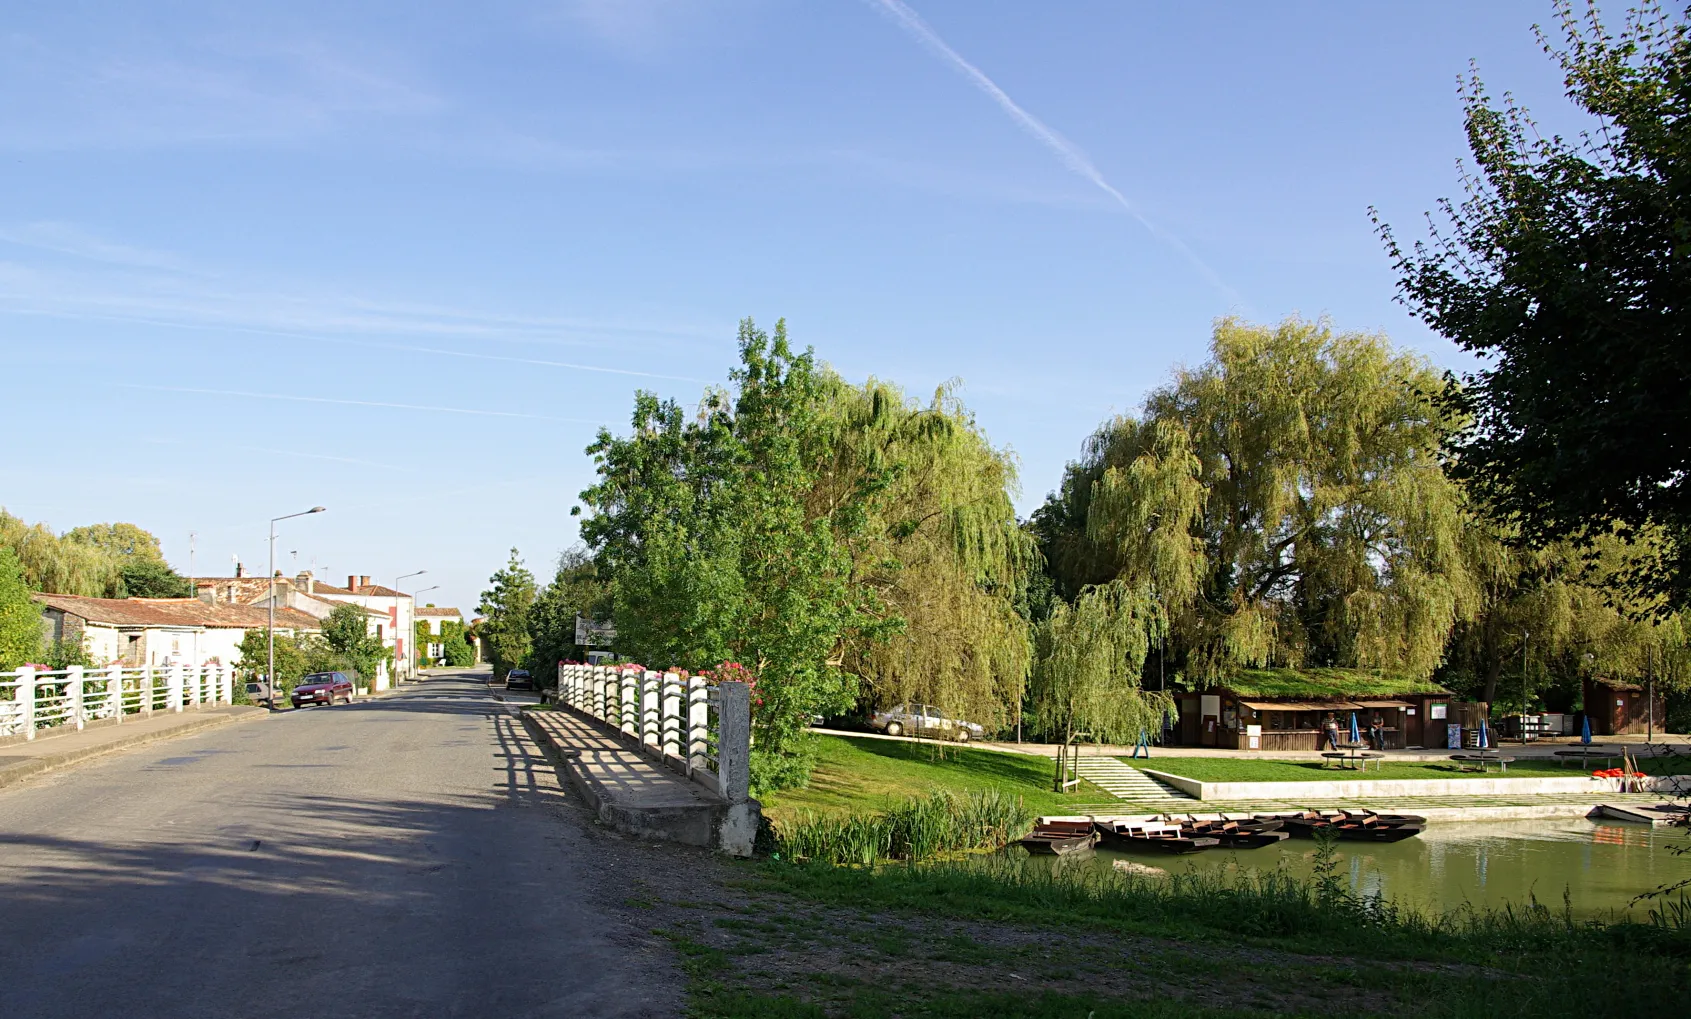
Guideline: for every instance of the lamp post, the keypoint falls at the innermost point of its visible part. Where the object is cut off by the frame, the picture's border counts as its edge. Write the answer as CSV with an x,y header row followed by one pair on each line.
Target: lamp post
x,y
270,629
399,641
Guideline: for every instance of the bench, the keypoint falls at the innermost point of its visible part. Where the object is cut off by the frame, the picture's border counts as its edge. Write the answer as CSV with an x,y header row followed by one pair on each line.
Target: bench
x,y
1463,760
1353,758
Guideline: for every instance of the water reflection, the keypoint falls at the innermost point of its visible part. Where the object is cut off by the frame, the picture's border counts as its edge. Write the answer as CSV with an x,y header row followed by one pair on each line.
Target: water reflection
x,y
1600,867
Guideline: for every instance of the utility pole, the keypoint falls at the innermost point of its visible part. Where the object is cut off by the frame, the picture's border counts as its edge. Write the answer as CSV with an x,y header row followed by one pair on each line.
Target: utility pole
x,y
1650,693
270,628
193,588
1524,636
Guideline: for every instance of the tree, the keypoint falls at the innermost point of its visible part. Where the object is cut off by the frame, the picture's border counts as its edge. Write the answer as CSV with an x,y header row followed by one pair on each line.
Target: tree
x,y
153,578
505,608
120,541
20,616
1088,661
459,653
61,567
346,631
1564,268
576,589
1281,505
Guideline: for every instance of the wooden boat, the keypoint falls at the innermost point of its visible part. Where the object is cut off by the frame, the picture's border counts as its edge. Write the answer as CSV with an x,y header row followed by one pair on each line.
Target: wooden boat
x,y
1163,837
1059,838
1659,815
1359,827
1236,834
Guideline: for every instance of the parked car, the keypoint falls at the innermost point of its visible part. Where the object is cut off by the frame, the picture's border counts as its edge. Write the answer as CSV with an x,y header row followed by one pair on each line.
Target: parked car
x,y
924,720
323,688
519,679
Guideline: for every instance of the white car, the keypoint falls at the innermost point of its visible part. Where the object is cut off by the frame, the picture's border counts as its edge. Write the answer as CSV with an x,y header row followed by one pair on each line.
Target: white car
x,y
924,720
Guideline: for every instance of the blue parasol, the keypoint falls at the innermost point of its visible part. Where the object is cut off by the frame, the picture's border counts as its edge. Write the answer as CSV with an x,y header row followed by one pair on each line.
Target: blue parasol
x,y
1585,732
1485,735
1355,733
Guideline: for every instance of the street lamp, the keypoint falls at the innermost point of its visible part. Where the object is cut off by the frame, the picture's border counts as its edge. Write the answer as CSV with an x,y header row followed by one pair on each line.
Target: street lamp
x,y
397,639
270,629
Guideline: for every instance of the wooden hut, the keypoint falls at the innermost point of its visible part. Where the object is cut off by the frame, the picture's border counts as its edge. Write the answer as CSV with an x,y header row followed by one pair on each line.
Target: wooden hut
x,y
1284,709
1615,707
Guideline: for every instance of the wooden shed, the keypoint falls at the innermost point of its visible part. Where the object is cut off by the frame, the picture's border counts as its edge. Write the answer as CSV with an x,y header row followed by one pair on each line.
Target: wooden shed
x,y
1285,709
1616,707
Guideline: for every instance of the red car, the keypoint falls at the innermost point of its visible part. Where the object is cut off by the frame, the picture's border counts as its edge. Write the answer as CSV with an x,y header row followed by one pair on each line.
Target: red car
x,y
323,688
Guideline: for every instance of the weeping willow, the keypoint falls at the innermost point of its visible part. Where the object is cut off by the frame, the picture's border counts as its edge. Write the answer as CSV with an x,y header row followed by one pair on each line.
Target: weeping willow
x,y
933,538
1282,504
61,565
1088,658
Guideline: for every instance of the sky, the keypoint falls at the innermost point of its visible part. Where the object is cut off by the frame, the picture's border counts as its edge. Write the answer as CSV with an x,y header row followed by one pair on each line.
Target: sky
x,y
404,260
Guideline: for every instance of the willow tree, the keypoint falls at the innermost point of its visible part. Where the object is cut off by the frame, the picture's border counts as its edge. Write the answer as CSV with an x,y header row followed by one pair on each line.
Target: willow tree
x,y
938,546
1282,503
1089,656
61,565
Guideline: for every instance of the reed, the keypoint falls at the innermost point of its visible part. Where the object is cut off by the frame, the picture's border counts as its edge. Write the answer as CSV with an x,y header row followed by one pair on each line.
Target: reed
x,y
915,829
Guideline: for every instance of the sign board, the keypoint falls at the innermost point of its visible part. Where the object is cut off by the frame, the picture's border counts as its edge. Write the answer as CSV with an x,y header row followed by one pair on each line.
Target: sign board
x,y
1453,736
1253,737
1435,711
592,633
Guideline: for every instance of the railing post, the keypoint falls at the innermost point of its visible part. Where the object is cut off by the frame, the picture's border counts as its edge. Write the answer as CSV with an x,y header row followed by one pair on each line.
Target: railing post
x,y
629,722
698,724
147,689
225,684
734,742
196,676
597,681
114,692
26,699
73,680
670,715
651,703
173,695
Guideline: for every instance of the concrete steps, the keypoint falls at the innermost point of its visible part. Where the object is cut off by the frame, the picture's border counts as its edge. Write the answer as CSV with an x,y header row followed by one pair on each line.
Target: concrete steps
x,y
1126,782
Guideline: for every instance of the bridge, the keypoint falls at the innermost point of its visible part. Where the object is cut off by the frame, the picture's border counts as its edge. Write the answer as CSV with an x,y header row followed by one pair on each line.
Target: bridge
x,y
417,854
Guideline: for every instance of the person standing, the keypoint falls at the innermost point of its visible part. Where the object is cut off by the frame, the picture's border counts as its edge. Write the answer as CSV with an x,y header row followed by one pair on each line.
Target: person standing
x,y
1377,732
1331,728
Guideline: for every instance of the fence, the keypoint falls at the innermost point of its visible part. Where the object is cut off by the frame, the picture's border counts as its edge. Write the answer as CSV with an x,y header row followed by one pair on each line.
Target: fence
x,y
35,700
696,727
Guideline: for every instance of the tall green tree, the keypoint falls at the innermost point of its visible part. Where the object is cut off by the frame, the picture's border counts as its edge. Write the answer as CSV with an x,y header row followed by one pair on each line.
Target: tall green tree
x,y
58,566
576,589
1089,659
1564,269
20,616
346,631
506,607
1282,504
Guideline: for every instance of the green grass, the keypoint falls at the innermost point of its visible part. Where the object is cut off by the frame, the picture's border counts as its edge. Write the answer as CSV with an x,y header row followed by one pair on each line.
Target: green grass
x,y
1324,684
855,774
1235,769
916,829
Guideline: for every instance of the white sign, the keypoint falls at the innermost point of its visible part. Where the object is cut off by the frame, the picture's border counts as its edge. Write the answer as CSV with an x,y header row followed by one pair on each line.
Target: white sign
x,y
592,633
1436,711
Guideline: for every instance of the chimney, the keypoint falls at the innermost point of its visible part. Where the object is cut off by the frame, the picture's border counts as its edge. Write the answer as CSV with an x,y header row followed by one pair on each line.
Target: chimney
x,y
208,594
352,583
363,581
240,571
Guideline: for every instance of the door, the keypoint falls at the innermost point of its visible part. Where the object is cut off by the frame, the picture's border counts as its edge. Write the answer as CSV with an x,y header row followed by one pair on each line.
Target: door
x,y
1209,719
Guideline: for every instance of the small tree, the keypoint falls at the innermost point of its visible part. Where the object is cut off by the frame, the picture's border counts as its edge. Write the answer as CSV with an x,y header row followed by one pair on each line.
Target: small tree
x,y
1088,660
506,607
20,617
347,633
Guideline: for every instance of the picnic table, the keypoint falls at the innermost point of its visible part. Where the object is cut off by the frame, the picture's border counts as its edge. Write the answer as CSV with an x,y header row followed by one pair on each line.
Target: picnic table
x,y
1353,755
1481,758
1593,751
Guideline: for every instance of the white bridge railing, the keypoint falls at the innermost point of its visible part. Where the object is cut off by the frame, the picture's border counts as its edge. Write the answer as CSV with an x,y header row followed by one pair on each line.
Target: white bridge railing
x,y
34,700
697,727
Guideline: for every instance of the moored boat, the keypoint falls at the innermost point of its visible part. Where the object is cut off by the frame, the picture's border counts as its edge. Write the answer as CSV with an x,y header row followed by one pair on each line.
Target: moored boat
x,y
1130,836
1362,826
1059,838
1232,833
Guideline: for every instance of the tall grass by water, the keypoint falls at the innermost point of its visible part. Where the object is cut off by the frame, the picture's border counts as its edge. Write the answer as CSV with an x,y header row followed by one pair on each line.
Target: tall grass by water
x,y
915,829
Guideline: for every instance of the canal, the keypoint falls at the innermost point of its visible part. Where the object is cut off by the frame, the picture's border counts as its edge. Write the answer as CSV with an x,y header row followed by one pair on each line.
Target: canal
x,y
1601,866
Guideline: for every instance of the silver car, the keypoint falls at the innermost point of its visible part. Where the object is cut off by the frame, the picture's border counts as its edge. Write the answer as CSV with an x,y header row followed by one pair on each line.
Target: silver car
x,y
924,720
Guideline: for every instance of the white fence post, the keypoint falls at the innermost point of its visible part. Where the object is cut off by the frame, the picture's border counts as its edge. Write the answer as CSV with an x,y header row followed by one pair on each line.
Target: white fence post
x,y
651,702
196,676
734,742
26,698
225,684
147,689
670,726
173,694
630,718
114,692
73,681
698,724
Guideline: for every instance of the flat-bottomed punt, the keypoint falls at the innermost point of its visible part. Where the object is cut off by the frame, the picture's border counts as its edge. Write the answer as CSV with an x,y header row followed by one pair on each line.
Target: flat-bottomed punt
x,y
1059,838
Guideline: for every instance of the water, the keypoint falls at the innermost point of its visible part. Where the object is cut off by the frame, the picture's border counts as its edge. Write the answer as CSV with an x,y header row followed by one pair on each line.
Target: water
x,y
1600,866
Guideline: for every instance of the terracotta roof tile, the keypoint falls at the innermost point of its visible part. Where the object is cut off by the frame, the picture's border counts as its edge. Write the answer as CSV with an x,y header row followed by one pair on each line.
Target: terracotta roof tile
x,y
174,612
430,610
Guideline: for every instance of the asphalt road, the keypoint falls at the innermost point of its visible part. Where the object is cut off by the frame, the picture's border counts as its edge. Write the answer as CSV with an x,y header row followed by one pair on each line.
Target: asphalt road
x,y
406,856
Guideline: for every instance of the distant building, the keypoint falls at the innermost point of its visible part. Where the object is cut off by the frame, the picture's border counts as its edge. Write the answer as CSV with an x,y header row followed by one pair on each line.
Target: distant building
x,y
391,612
434,616
160,631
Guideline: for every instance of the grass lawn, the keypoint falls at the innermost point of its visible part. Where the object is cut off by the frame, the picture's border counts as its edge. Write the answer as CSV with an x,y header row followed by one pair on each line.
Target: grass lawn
x,y
857,774
1233,769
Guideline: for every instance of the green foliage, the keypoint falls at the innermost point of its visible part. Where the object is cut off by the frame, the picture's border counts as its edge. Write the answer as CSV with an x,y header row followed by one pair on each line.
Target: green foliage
x,y
20,616
153,578
62,654
346,632
1563,271
296,655
1282,505
505,608
916,829
1329,684
844,542
1088,661
454,648
576,589
97,560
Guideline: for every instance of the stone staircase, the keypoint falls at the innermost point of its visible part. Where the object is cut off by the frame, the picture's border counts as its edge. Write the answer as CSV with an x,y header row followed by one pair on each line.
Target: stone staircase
x,y
1126,782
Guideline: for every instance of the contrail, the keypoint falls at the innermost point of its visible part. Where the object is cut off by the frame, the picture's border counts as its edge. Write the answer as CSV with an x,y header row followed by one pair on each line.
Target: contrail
x,y
1065,150
358,403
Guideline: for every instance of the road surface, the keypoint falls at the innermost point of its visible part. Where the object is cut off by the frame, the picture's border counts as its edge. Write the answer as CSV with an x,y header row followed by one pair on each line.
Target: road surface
x,y
405,856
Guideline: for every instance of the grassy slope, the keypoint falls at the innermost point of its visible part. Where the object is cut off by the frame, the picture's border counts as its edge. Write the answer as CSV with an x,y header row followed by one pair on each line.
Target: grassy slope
x,y
1231,769
860,774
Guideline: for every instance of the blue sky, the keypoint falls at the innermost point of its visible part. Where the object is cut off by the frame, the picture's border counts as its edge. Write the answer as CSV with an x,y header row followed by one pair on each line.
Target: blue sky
x,y
255,256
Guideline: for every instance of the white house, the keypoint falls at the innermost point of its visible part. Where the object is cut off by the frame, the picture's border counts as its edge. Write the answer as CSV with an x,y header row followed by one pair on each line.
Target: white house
x,y
392,613
160,631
